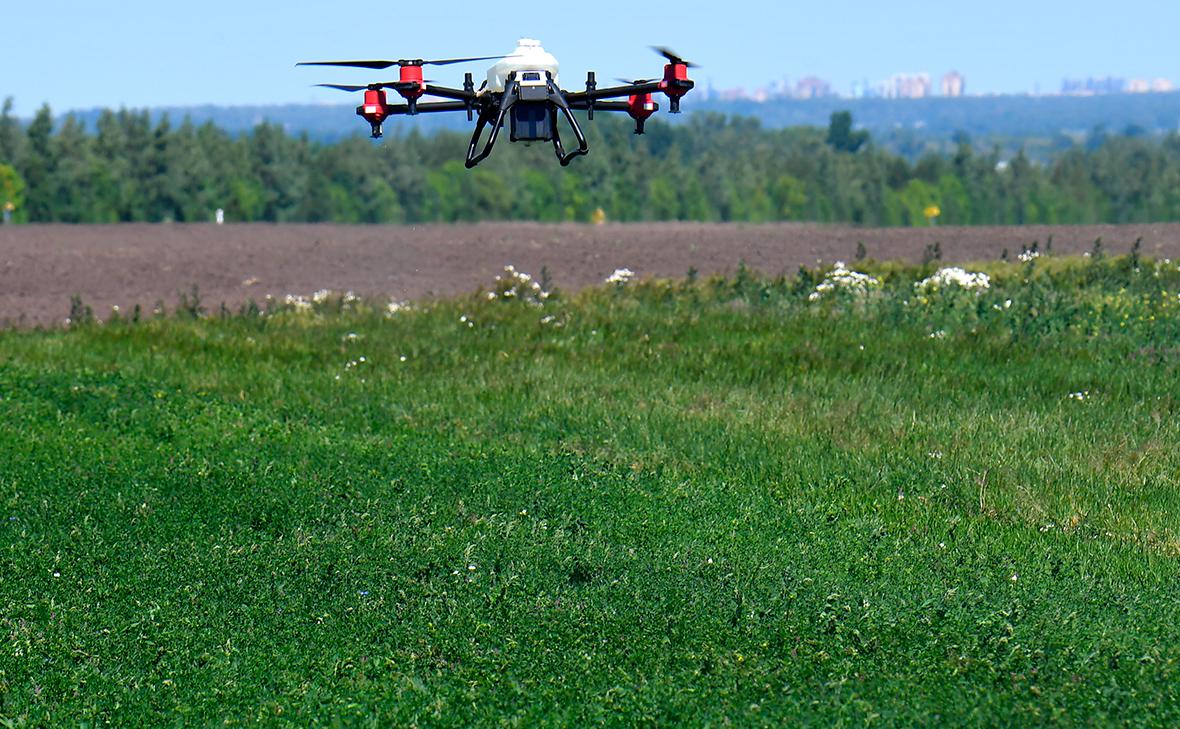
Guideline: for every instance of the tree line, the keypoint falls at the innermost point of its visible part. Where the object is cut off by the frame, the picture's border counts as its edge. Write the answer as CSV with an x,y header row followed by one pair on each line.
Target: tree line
x,y
710,168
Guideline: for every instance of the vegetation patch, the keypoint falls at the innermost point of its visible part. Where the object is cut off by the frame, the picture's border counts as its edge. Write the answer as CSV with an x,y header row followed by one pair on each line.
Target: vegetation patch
x,y
941,498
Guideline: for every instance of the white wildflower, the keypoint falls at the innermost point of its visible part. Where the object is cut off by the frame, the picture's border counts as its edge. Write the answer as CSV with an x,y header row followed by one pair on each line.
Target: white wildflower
x,y
1080,395
321,296
1029,255
297,303
938,334
513,284
396,307
842,279
620,276
954,276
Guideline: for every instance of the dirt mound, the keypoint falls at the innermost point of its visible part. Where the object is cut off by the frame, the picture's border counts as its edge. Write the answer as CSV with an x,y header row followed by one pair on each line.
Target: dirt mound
x,y
42,266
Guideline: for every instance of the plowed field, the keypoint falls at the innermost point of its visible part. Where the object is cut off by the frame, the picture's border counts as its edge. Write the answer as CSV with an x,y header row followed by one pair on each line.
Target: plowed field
x,y
42,266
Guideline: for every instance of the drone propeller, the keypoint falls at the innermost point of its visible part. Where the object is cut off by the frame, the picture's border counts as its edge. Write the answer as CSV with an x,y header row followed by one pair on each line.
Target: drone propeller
x,y
378,65
672,57
636,82
370,87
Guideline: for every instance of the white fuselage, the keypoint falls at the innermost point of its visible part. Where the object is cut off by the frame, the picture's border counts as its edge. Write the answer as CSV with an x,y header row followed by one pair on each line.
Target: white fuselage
x,y
528,56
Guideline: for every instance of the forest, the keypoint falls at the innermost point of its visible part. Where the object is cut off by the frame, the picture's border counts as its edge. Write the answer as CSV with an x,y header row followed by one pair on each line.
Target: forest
x,y
129,167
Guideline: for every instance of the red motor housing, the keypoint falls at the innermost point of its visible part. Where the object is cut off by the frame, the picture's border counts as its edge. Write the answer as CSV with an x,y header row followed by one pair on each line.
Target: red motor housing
x,y
674,75
640,107
412,86
373,110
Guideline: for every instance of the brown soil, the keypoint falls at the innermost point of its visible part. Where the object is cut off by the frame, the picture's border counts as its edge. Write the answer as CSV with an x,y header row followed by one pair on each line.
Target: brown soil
x,y
42,266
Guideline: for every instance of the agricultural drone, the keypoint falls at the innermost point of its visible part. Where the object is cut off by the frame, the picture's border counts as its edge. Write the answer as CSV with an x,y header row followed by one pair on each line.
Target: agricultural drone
x,y
521,89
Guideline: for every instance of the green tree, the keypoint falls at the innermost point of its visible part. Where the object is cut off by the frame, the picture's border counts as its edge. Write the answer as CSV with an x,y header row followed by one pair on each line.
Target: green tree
x,y
12,192
841,137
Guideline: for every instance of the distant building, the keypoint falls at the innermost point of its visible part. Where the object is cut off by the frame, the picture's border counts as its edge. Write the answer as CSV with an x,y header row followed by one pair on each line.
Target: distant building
x,y
812,88
1162,86
907,86
1138,86
953,84
1094,86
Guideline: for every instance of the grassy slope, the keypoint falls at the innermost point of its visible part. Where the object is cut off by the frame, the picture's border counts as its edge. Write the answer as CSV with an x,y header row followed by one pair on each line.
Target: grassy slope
x,y
684,504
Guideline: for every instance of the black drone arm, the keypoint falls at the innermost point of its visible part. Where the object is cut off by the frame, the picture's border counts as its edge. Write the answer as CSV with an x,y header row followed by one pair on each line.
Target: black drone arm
x,y
613,92
446,93
584,104
395,109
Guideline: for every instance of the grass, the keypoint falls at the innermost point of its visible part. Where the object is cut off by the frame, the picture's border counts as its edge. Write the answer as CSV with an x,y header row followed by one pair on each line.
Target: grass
x,y
671,502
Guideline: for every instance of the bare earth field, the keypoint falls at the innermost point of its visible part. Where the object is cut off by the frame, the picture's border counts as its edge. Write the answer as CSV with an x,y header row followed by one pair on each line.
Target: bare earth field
x,y
42,266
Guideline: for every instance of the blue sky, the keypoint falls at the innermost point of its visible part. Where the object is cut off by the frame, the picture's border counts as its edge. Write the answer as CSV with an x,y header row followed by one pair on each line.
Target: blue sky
x,y
83,54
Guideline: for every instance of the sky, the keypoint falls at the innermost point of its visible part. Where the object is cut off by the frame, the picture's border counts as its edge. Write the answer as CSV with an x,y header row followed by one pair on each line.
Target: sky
x,y
135,53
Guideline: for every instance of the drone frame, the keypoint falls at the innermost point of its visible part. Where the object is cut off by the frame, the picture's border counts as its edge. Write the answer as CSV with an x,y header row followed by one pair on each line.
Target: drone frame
x,y
530,104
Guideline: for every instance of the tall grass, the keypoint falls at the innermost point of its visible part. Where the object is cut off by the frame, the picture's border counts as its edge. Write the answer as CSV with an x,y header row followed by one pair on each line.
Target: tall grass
x,y
664,502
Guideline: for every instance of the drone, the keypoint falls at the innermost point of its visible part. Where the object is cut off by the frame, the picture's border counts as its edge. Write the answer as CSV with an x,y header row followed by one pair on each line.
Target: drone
x,y
521,89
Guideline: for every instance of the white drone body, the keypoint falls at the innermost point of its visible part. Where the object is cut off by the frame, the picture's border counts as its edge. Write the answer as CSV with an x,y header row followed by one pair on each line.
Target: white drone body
x,y
528,57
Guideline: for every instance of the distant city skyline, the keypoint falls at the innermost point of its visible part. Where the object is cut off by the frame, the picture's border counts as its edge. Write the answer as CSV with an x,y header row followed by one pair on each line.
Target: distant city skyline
x,y
924,85
75,54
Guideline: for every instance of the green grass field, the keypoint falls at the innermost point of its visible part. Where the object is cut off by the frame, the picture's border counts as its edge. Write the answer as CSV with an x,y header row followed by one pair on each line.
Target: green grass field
x,y
695,502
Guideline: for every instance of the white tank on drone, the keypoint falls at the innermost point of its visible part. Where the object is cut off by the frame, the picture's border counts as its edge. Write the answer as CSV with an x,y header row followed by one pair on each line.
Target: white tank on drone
x,y
528,56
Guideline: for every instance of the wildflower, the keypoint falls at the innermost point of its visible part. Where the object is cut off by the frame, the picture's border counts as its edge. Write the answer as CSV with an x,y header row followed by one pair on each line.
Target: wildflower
x,y
1014,577
402,358
842,279
320,296
396,307
957,277
938,334
1029,255
351,337
513,284
297,303
621,276
1080,395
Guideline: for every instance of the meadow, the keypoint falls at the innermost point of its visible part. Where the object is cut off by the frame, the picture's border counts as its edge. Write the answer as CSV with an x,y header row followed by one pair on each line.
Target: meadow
x,y
835,498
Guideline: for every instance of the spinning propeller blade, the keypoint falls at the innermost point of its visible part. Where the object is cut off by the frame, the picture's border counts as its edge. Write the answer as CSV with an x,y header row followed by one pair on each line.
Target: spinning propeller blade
x,y
672,57
449,61
343,87
636,82
383,85
378,65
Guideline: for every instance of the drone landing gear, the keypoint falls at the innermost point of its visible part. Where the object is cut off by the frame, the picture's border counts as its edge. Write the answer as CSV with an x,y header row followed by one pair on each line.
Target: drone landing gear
x,y
506,103
558,100
529,129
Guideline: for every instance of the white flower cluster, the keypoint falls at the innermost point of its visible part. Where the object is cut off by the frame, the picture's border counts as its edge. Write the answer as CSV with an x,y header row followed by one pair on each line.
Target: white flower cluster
x,y
1080,395
513,284
296,303
842,279
396,307
954,276
621,276
1029,255
303,304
